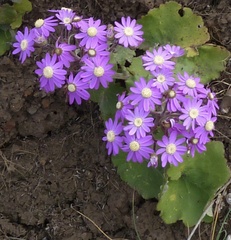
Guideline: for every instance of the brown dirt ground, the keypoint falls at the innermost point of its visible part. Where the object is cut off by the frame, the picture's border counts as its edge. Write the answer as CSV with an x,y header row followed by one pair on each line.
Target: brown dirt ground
x,y
52,161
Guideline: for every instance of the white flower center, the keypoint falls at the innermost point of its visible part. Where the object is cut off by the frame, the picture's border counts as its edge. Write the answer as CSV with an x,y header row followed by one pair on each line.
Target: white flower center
x,y
171,148
128,31
190,83
193,113
91,52
119,105
134,146
24,44
195,141
91,31
68,9
99,71
138,122
210,96
39,23
146,92
48,72
71,87
172,94
209,126
58,51
67,20
110,136
158,60
161,78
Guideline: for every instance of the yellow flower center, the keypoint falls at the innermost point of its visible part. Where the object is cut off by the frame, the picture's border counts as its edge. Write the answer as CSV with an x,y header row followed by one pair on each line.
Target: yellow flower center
x,y
39,23
195,141
67,20
71,87
171,148
134,146
128,31
24,44
146,93
91,31
138,122
161,78
158,60
110,136
209,126
48,72
58,51
193,113
99,71
190,83
171,93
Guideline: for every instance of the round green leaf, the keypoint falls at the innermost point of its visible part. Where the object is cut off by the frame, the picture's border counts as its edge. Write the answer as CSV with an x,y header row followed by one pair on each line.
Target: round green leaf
x,y
193,184
171,23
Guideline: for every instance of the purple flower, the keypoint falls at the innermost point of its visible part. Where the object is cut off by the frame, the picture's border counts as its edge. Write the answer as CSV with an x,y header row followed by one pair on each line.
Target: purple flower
x,y
171,149
77,89
163,79
45,26
194,145
145,95
138,148
138,122
174,99
157,59
128,32
63,51
96,71
65,15
153,162
51,73
193,113
92,33
203,132
114,141
122,106
190,85
24,44
175,51
212,105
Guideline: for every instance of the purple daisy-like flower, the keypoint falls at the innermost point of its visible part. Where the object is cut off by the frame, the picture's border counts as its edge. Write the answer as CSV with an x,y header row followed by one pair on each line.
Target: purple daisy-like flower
x,y
114,141
77,89
128,33
174,100
171,149
122,106
193,114
92,33
63,51
163,79
175,51
145,95
51,73
190,85
138,122
212,105
97,70
65,15
203,132
153,161
138,148
157,59
24,44
45,26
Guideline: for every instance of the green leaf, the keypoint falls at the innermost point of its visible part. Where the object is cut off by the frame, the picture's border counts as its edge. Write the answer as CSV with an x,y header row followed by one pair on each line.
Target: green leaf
x,y
23,6
193,184
207,63
5,40
107,99
171,23
18,22
7,13
147,181
120,55
136,70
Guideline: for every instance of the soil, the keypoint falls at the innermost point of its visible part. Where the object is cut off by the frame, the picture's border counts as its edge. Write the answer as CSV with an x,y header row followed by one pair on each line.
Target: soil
x,y
53,166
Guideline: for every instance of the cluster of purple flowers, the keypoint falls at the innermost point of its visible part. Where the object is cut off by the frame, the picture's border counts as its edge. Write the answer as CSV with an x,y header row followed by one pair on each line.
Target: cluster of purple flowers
x,y
176,106
76,67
